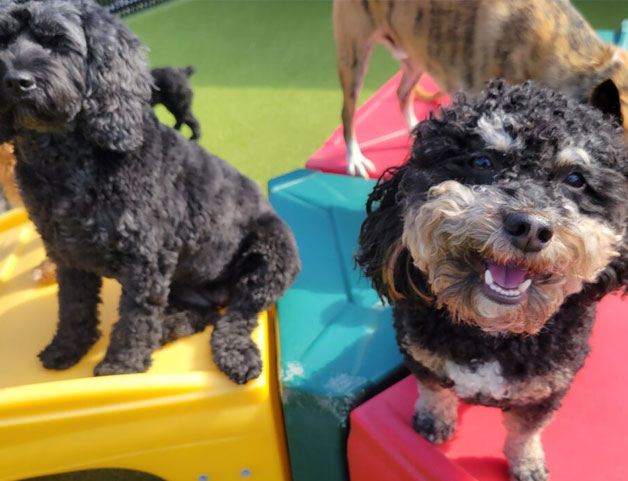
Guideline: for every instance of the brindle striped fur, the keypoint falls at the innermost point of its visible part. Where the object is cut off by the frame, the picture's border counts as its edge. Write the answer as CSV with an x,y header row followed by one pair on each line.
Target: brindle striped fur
x,y
464,43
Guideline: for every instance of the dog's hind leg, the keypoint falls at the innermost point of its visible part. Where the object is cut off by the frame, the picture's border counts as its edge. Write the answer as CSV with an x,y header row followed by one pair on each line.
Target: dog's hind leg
x,y
77,330
265,267
354,42
194,126
179,323
188,119
523,448
406,90
187,313
177,112
436,412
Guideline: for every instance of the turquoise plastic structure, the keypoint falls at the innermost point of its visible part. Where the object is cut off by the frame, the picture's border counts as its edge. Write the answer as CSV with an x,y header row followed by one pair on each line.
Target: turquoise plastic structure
x,y
619,36
337,344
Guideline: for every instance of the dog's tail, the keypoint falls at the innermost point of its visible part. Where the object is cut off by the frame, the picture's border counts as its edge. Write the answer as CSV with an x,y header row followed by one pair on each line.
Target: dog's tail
x,y
188,71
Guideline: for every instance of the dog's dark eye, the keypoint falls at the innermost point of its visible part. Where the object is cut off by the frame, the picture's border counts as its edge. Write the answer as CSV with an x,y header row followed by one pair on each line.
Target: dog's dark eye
x,y
575,180
481,163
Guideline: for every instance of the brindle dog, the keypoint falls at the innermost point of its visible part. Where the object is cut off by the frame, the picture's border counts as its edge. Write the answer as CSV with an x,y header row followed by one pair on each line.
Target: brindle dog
x,y
464,43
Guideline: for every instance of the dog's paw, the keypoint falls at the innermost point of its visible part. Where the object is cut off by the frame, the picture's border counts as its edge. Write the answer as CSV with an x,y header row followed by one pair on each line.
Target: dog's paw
x,y
237,356
536,471
59,355
432,428
108,367
359,165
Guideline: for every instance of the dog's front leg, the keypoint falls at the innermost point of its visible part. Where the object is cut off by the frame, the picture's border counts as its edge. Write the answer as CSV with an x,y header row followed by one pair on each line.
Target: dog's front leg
x,y
523,448
77,330
436,413
139,329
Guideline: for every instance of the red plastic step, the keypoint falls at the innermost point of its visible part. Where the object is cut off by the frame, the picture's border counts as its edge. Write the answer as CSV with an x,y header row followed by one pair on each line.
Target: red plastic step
x,y
587,440
380,128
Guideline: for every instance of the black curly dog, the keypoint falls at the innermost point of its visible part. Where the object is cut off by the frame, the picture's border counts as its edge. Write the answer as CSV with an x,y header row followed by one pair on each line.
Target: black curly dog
x,y
172,90
116,194
494,244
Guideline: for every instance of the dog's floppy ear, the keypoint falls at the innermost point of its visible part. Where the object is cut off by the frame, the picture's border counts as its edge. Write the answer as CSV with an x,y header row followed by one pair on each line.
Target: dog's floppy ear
x,y
381,253
118,82
605,97
613,278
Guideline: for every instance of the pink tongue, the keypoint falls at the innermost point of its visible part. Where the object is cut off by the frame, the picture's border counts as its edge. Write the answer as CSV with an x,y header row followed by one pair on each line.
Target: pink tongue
x,y
508,276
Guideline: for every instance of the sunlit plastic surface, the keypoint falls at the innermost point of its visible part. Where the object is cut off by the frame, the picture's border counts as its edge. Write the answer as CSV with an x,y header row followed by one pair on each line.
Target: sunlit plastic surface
x,y
180,420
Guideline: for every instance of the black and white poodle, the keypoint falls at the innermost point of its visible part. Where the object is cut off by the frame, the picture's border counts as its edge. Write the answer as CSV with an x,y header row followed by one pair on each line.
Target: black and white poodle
x,y
116,194
494,244
172,90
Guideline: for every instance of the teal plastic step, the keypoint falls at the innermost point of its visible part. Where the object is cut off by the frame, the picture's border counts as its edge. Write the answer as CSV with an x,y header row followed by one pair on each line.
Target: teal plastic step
x,y
336,338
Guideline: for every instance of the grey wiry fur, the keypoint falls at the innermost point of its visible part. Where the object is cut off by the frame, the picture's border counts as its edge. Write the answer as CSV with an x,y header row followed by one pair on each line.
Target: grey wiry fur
x,y
114,193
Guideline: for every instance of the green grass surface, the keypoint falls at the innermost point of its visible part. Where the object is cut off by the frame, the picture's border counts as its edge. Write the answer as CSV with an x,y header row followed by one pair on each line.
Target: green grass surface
x,y
603,13
266,90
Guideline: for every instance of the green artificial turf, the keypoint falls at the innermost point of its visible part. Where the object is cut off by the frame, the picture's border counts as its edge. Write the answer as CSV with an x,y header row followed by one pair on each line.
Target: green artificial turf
x,y
603,13
266,89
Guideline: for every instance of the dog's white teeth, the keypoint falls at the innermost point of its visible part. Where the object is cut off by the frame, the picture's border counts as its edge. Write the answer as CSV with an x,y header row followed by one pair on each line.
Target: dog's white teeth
x,y
525,285
505,292
488,279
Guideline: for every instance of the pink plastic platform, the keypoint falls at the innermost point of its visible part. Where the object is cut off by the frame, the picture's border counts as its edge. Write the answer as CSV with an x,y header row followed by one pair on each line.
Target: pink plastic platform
x,y
381,131
587,440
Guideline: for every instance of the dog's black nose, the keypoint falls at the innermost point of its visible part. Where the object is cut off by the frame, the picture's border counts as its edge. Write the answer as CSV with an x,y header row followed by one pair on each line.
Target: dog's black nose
x,y
19,82
527,232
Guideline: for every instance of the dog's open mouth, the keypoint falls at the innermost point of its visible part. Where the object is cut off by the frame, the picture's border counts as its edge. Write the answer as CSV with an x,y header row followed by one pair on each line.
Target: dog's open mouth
x,y
505,284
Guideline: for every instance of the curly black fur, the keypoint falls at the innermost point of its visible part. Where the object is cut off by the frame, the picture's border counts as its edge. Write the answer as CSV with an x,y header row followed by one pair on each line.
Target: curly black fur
x,y
440,143
172,90
444,145
116,194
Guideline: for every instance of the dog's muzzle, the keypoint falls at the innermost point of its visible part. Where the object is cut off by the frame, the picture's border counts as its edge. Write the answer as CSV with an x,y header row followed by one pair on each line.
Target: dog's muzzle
x,y
504,262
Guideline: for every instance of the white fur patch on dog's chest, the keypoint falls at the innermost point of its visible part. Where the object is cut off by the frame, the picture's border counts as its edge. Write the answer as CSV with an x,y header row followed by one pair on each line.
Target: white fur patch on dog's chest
x,y
485,379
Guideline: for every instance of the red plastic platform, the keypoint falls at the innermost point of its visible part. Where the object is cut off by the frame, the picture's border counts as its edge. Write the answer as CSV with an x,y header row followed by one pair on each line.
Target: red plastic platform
x,y
382,133
587,440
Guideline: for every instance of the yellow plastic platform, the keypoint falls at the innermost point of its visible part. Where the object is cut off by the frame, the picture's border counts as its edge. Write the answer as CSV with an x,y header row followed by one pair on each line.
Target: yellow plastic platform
x,y
183,420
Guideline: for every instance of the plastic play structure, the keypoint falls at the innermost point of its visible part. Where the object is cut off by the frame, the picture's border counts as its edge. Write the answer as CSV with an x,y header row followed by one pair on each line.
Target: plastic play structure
x,y
333,403
182,420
